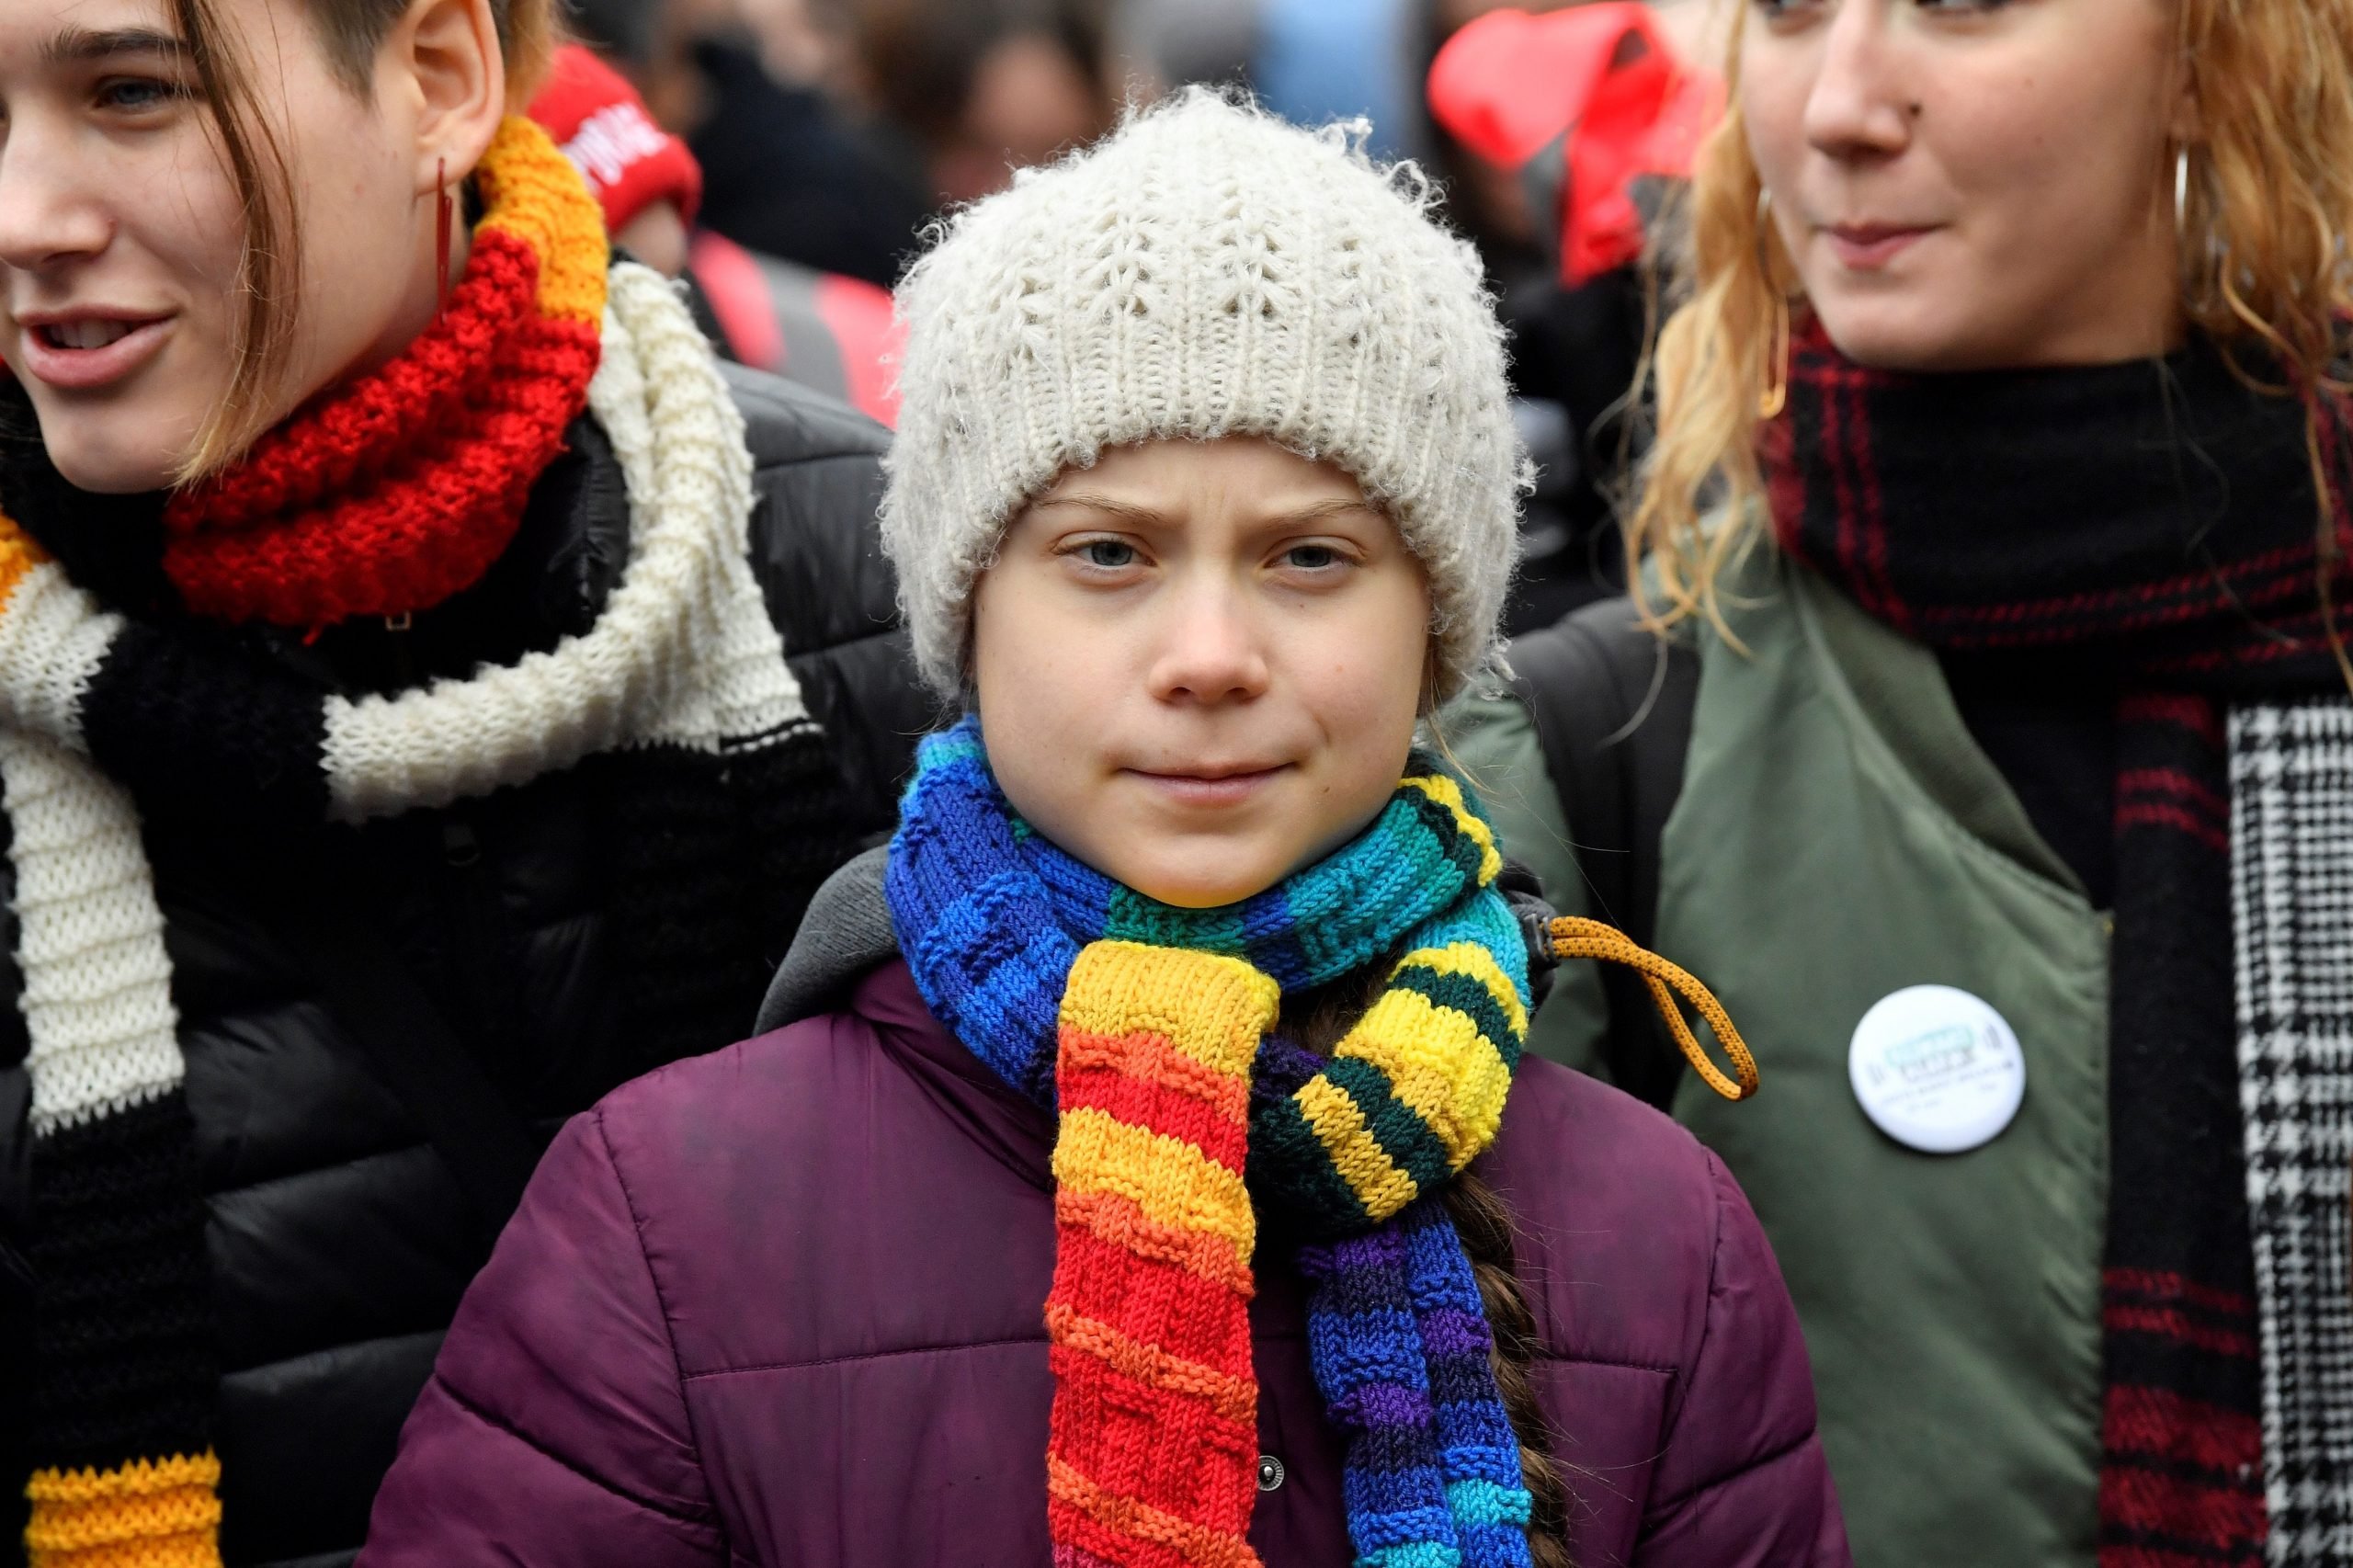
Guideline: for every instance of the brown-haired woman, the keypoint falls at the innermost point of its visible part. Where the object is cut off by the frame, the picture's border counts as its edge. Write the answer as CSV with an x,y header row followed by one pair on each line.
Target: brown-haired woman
x,y
430,691
984,88
1998,506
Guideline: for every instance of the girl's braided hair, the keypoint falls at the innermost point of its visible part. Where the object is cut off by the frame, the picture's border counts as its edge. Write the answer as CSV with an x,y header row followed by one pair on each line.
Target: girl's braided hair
x,y
1484,1221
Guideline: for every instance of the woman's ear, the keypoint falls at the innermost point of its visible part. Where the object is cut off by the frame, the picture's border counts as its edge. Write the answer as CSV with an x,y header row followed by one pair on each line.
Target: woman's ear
x,y
445,58
2186,119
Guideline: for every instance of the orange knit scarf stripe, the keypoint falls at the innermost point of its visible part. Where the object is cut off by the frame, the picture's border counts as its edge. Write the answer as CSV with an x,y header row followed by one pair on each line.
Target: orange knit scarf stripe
x,y
1152,1456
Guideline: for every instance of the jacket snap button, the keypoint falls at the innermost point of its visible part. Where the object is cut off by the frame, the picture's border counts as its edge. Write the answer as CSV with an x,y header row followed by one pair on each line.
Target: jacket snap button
x,y
1270,1472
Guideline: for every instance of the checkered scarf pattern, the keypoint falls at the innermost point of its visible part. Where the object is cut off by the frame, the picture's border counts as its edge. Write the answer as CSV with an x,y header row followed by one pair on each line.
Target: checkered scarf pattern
x,y
2162,520
2291,893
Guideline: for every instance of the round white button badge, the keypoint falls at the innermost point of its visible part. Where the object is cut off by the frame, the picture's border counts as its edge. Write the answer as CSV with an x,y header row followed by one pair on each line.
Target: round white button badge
x,y
1936,1069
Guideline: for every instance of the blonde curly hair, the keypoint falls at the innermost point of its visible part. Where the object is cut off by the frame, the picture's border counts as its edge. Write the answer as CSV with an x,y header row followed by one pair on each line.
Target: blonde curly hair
x,y
2265,274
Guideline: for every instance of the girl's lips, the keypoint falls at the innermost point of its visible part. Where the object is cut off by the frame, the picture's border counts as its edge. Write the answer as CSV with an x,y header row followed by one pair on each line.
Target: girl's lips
x,y
88,369
1869,247
1193,789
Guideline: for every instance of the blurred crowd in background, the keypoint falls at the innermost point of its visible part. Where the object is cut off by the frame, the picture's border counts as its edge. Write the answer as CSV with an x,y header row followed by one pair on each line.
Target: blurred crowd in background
x,y
824,134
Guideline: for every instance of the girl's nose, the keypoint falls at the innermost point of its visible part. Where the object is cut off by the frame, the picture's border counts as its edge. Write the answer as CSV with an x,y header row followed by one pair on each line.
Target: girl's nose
x,y
1859,105
1210,651
44,219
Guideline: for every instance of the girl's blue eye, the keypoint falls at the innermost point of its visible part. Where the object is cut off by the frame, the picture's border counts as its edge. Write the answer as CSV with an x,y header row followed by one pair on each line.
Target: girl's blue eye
x,y
137,93
1108,553
1312,557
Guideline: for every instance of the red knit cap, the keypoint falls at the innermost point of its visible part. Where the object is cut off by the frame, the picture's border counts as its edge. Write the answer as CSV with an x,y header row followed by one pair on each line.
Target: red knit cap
x,y
598,119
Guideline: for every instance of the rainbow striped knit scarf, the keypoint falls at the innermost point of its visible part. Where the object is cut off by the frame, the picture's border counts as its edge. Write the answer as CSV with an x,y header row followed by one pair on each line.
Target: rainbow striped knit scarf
x,y
1147,1026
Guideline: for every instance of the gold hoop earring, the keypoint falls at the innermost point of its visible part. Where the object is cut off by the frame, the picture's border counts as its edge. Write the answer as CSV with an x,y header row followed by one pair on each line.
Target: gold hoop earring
x,y
1777,390
2181,195
1776,396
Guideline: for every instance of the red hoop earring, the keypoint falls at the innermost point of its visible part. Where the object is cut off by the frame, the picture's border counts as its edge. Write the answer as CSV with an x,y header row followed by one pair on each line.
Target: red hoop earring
x,y
443,217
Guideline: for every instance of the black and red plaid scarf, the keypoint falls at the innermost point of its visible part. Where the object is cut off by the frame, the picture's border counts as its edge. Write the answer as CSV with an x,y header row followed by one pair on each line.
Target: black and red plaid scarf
x,y
2160,519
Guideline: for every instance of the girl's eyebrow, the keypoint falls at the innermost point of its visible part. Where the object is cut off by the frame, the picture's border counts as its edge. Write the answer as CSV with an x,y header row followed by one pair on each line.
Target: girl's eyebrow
x,y
1092,502
1332,506
1147,516
78,45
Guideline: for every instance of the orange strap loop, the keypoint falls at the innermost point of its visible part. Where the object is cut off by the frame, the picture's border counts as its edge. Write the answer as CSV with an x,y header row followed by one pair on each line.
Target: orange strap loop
x,y
1577,939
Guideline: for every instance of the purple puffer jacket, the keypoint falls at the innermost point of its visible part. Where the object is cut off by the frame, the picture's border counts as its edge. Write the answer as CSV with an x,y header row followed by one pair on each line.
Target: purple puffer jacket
x,y
781,1305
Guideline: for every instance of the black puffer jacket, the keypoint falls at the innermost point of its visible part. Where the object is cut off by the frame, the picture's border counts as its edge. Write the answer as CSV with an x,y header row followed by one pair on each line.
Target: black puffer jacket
x,y
340,1237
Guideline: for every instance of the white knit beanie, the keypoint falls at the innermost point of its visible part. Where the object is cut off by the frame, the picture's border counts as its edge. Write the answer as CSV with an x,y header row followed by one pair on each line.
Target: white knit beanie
x,y
1207,270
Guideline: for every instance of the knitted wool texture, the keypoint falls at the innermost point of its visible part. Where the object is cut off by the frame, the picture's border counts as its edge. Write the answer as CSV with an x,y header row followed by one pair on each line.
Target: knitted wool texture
x,y
1148,1027
1206,271
404,487
682,652
683,676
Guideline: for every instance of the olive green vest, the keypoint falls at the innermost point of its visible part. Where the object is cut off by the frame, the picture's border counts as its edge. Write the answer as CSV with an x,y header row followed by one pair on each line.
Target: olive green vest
x,y
1840,837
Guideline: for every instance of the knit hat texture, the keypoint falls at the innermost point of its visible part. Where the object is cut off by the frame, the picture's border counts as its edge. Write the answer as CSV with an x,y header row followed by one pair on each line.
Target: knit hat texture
x,y
1208,270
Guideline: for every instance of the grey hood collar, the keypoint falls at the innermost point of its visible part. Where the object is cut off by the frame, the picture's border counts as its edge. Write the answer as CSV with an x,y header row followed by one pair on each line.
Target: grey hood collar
x,y
846,934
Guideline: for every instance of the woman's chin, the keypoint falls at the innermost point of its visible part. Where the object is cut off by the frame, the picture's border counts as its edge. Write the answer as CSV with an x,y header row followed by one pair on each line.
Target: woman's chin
x,y
99,461
1199,876
1210,868
1199,893
1911,333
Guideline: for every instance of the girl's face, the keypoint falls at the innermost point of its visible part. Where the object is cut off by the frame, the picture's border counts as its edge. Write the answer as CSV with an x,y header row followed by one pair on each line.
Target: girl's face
x,y
1973,183
1199,664
123,230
